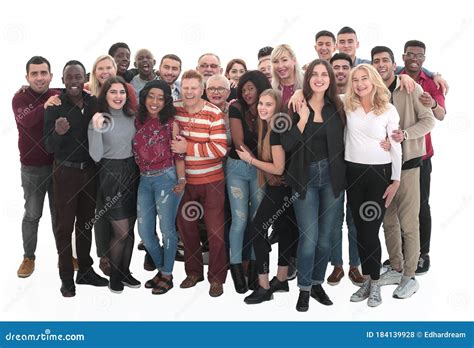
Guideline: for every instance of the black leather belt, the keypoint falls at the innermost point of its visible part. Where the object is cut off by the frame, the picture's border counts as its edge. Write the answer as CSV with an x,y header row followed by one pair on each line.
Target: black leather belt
x,y
77,165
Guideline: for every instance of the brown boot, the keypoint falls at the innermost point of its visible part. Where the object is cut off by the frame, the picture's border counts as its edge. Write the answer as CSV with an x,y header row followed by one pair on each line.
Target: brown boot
x,y
26,268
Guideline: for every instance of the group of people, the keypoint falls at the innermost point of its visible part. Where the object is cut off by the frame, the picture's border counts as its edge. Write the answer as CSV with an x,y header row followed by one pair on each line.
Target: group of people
x,y
220,158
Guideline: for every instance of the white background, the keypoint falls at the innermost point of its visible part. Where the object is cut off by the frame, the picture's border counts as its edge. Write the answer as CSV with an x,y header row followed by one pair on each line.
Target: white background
x,y
86,29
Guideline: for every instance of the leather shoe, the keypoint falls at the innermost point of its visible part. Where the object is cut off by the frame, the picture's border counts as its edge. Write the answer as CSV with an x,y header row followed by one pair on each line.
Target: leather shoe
x,y
148,264
278,286
318,293
237,273
216,289
259,295
68,289
191,281
336,275
150,284
303,301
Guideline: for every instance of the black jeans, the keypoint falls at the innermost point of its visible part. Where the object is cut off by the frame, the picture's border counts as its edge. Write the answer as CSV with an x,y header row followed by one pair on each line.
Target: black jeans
x,y
425,211
275,209
367,184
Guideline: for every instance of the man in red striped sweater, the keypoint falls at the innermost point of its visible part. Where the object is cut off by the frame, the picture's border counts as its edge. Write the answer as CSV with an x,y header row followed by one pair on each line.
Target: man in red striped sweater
x,y
203,140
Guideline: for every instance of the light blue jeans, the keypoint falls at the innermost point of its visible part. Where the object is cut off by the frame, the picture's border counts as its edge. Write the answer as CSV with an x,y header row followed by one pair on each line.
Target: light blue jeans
x,y
155,197
336,238
245,196
316,215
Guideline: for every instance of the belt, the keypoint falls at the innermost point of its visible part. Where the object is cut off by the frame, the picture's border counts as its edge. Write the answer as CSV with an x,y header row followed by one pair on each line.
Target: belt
x,y
77,165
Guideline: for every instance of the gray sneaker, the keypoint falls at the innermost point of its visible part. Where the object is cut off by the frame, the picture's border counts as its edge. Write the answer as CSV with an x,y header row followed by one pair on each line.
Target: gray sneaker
x,y
362,293
375,298
408,286
390,277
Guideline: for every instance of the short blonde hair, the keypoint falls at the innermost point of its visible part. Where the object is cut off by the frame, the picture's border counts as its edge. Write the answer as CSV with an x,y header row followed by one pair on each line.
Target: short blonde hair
x,y
379,96
94,85
277,53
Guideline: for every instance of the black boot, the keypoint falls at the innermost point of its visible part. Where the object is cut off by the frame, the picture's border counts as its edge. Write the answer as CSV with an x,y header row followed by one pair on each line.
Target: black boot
x,y
238,277
318,293
252,274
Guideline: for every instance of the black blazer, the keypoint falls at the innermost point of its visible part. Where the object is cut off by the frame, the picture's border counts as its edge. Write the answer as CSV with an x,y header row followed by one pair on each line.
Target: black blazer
x,y
293,141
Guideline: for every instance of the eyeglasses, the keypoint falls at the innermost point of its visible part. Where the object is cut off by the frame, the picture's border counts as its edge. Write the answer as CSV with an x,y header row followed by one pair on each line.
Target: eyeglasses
x,y
212,66
219,90
411,55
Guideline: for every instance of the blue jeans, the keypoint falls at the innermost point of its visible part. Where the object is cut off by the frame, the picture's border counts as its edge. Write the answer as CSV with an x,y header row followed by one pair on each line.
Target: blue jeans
x,y
36,182
155,197
316,215
242,188
336,238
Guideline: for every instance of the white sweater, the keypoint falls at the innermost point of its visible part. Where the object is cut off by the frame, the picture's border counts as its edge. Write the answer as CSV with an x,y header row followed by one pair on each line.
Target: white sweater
x,y
365,131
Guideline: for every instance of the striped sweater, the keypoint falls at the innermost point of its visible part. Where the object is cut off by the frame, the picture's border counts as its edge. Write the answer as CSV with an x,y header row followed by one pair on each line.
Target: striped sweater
x,y
205,133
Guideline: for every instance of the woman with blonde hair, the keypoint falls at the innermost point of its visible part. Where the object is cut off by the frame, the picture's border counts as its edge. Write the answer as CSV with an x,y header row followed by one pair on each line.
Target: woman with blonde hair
x,y
373,174
277,200
286,72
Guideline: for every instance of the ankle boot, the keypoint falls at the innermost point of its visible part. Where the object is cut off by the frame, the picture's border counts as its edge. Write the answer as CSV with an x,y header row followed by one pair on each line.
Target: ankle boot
x,y
252,275
238,277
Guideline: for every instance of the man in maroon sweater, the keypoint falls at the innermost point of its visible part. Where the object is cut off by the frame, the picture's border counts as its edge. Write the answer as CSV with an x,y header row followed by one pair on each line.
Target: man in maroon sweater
x,y
36,164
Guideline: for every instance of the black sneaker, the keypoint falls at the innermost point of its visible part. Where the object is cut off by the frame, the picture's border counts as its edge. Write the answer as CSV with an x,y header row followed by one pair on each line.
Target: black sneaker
x,y
130,281
303,301
423,264
68,289
259,295
278,286
116,285
318,293
91,278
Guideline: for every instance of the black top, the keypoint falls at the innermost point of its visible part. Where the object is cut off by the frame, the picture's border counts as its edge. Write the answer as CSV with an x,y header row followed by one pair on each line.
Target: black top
x,y
250,137
300,158
317,145
72,146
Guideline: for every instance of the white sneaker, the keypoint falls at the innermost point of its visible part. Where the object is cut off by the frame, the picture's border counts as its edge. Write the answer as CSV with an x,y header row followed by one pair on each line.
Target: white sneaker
x,y
375,298
390,277
408,286
362,293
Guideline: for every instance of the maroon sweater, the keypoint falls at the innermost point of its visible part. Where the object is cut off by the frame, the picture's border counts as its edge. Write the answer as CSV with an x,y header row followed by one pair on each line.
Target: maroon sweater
x,y
29,116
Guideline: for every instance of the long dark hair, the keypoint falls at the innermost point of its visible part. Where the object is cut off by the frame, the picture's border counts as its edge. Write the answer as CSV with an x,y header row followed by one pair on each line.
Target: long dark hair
x,y
168,110
102,98
331,92
258,79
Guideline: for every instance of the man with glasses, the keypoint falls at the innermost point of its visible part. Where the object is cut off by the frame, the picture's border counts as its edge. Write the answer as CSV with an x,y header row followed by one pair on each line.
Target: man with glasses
x,y
209,64
414,57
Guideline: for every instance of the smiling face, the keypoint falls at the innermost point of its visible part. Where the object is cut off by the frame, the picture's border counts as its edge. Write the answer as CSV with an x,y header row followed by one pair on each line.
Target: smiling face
x,y
414,58
155,102
249,93
39,77
235,72
103,70
319,81
169,70
122,59
284,66
266,107
265,66
361,83
217,91
209,65
144,62
341,69
73,79
384,65
348,44
325,47
116,96
191,91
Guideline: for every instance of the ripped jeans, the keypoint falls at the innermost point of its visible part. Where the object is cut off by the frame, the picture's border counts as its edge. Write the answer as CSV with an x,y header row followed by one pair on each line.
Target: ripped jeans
x,y
245,196
155,197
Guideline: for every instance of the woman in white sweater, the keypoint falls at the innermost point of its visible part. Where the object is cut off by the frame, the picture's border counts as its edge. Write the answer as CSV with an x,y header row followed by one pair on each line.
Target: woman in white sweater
x,y
373,174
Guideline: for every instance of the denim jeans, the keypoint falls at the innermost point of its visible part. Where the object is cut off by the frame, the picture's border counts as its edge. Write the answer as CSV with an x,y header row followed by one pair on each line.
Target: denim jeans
x,y
316,216
36,182
242,188
336,238
155,197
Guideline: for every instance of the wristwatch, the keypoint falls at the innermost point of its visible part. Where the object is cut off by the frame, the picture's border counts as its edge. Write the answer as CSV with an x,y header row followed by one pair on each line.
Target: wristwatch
x,y
405,134
181,180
